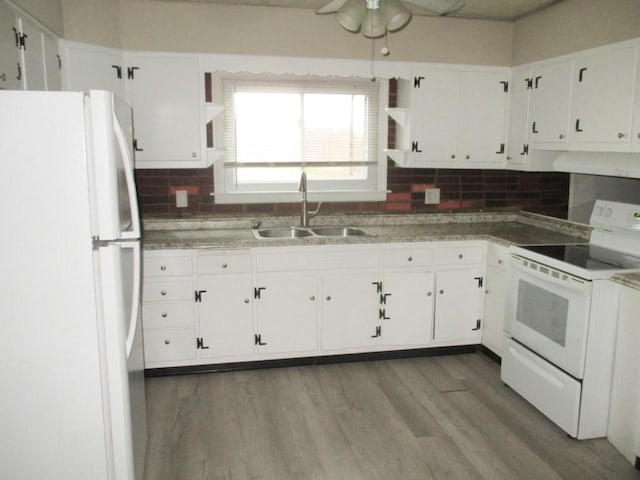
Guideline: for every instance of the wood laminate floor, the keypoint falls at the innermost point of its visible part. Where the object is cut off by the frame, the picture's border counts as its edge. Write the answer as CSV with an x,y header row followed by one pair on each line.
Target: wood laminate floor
x,y
444,417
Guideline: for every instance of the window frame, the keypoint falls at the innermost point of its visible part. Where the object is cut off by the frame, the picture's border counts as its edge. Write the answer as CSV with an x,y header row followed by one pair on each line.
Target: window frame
x,y
225,194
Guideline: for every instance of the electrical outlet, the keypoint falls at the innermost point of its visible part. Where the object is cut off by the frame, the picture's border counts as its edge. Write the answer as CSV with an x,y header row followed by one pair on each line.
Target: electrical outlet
x,y
182,199
432,196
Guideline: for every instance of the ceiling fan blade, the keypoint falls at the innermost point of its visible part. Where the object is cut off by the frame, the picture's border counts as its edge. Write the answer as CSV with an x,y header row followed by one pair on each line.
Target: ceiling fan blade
x,y
332,7
439,7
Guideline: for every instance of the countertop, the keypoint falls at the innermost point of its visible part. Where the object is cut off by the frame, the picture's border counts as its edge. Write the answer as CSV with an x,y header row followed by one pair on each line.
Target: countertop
x,y
504,227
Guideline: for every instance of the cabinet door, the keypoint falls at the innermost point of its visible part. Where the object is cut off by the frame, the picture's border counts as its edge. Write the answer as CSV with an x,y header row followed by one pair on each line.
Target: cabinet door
x,y
166,100
225,318
51,62
518,117
86,67
458,306
483,114
603,86
494,305
408,307
32,58
9,55
435,116
550,101
350,310
287,314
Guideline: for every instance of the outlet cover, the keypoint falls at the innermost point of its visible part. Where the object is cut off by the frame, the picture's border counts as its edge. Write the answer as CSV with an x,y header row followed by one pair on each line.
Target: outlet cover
x,y
432,196
182,199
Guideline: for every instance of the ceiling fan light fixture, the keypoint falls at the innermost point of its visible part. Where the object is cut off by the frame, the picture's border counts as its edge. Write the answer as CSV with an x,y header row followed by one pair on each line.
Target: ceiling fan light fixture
x,y
373,24
350,15
395,15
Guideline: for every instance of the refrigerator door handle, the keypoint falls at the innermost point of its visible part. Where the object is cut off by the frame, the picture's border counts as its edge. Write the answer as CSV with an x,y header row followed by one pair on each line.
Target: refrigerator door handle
x,y
131,184
135,297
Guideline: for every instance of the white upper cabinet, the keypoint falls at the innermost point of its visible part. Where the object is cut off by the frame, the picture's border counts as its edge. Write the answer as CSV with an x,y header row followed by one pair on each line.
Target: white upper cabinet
x,y
588,101
603,89
10,69
550,87
455,118
88,67
167,96
28,54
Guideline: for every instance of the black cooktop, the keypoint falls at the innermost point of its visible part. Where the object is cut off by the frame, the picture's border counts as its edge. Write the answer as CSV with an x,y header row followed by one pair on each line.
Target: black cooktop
x,y
588,257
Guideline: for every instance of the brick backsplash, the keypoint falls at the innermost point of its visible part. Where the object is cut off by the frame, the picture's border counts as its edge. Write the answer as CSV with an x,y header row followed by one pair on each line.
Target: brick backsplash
x,y
545,193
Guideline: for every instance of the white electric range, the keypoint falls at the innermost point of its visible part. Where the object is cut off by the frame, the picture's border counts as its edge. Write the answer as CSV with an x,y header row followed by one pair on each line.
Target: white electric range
x,y
561,317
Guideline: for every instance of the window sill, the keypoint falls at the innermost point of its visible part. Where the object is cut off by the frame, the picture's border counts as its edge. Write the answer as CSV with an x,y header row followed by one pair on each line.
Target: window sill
x,y
292,197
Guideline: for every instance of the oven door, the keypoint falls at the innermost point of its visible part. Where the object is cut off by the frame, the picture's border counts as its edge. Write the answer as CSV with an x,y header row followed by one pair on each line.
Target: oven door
x,y
548,312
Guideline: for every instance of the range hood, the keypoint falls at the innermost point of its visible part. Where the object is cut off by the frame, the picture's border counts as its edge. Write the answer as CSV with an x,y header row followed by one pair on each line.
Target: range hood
x,y
612,164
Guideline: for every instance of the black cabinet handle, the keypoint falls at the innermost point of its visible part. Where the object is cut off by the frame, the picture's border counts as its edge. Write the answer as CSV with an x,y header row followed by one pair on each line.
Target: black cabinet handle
x,y
501,151
477,325
537,80
135,146
533,128
578,129
257,340
118,70
581,73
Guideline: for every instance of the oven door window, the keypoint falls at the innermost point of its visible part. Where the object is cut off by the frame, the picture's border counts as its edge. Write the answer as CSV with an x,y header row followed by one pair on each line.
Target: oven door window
x,y
543,311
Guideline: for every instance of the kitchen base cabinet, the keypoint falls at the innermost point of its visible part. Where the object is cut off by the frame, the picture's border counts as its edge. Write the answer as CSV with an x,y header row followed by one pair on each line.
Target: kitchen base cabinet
x,y
225,319
408,308
286,314
168,309
458,306
351,310
225,306
495,298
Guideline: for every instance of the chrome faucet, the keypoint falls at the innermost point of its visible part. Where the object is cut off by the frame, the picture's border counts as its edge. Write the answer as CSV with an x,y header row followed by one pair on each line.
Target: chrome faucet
x,y
305,216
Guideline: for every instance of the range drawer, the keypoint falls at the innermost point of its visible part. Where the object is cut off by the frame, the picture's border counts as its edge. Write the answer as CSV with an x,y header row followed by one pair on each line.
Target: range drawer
x,y
167,266
167,290
163,315
407,257
169,345
228,262
462,255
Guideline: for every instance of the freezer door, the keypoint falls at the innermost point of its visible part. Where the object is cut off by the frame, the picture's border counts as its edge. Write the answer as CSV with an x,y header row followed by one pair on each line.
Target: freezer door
x,y
119,293
114,203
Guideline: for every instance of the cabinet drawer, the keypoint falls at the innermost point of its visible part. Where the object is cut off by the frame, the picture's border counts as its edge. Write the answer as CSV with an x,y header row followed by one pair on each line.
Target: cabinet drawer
x,y
169,345
497,256
407,257
458,255
163,315
167,266
298,261
169,290
224,263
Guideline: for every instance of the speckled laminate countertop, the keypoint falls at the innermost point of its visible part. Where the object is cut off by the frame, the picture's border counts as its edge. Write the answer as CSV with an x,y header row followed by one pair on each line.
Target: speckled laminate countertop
x,y
505,227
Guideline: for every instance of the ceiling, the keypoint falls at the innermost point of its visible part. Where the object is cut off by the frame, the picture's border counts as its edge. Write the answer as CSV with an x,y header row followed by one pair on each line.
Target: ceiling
x,y
481,9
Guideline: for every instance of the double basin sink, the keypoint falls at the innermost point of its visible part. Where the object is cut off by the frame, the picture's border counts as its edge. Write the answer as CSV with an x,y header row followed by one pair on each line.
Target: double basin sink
x,y
306,232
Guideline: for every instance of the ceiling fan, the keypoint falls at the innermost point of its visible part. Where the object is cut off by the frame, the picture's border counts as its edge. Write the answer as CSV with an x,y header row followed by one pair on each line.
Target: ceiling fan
x,y
374,18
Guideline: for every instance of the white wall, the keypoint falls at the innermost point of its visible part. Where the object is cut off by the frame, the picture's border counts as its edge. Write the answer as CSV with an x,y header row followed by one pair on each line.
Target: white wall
x,y
574,25
585,189
47,12
256,30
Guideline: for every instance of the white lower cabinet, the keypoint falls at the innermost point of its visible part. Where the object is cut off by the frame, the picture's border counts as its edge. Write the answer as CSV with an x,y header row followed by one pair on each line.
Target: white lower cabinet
x,y
495,298
214,306
350,310
458,314
408,309
286,314
225,319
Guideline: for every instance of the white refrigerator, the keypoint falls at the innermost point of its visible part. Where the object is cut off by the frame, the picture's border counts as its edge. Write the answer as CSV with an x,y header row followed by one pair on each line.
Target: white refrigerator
x,y
71,361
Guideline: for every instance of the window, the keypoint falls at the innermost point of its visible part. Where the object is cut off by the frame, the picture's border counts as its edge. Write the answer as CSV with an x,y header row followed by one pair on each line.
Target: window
x,y
276,128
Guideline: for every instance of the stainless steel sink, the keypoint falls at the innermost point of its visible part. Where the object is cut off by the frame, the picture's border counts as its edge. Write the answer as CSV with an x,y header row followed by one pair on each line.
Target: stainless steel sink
x,y
282,232
340,232
301,232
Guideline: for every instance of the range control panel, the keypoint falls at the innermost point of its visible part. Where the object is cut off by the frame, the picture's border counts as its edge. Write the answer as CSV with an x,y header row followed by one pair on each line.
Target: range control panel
x,y
615,216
